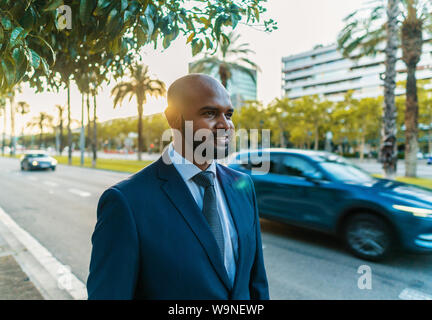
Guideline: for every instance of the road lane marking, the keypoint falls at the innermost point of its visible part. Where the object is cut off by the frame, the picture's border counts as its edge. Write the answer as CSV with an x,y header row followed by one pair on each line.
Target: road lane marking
x,y
77,289
411,294
80,192
51,183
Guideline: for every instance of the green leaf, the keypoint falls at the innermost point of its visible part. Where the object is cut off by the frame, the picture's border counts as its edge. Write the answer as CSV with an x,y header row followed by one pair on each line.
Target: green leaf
x,y
150,26
28,19
8,71
103,7
53,5
45,66
16,35
141,36
35,59
197,46
7,24
209,44
114,23
85,10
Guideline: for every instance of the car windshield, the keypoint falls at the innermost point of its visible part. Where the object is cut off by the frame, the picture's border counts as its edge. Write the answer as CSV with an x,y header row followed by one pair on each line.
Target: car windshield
x,y
344,171
36,155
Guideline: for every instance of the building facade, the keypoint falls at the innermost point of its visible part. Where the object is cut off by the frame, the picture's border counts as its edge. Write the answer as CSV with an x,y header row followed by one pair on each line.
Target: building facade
x,y
241,87
325,72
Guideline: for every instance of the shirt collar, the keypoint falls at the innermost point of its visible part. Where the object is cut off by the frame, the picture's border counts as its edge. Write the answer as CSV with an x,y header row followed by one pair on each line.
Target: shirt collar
x,y
186,168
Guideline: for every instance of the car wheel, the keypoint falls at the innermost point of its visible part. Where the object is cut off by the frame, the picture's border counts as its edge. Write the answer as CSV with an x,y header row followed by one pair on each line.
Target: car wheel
x,y
368,237
53,168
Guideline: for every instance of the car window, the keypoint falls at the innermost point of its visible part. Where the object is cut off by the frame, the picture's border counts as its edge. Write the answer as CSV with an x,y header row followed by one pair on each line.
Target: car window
x,y
259,162
296,166
36,155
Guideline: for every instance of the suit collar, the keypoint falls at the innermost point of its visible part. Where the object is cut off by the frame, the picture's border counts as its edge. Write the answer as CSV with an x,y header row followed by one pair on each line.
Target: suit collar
x,y
180,196
186,168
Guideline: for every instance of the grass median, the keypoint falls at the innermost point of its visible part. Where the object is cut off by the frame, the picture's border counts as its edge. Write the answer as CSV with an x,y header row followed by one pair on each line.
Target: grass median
x,y
130,166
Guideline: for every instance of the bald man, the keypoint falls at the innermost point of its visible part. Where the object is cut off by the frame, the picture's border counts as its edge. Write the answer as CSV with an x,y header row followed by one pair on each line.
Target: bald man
x,y
184,227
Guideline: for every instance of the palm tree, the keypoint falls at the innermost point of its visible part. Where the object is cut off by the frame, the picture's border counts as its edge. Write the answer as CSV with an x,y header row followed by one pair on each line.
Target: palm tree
x,y
11,98
60,109
3,113
41,121
23,109
365,34
230,57
139,86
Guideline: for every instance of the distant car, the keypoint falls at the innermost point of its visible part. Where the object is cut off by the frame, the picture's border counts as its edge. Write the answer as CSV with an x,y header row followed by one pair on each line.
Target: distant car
x,y
420,156
325,192
429,160
37,159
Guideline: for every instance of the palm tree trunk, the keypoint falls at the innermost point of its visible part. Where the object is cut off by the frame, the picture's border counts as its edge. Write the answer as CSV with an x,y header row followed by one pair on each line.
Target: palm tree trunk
x,y
89,138
94,140
316,138
412,41
362,146
12,138
411,125
388,148
4,131
40,134
140,128
69,124
61,134
82,137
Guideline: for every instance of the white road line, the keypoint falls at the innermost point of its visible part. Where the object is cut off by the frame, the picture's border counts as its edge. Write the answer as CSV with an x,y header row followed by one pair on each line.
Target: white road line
x,y
80,192
411,294
51,183
76,288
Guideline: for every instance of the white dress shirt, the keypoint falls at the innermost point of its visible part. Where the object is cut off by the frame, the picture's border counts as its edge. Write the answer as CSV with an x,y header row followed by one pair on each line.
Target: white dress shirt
x,y
187,170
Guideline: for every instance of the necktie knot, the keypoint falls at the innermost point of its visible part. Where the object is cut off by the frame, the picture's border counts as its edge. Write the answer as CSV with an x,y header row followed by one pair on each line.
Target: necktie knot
x,y
204,179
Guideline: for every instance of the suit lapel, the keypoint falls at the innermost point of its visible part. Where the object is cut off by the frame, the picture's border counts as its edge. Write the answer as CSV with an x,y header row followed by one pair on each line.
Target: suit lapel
x,y
231,190
180,196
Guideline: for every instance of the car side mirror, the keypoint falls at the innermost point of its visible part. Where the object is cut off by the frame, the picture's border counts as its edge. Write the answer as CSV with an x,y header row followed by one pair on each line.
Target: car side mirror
x,y
314,177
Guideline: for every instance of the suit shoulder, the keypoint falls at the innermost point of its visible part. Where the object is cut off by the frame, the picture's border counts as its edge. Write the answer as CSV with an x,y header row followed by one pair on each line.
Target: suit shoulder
x,y
240,179
138,180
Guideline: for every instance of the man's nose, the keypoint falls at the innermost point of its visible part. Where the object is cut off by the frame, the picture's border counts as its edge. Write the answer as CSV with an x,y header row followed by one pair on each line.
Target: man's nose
x,y
223,122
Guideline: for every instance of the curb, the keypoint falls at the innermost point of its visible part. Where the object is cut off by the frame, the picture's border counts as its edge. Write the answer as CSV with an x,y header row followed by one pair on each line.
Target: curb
x,y
53,280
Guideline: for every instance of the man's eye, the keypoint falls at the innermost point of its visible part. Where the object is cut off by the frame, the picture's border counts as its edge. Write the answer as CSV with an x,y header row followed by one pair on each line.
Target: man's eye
x,y
209,113
228,115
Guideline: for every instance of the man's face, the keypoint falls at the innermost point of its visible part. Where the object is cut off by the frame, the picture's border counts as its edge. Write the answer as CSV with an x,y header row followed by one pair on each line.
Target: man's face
x,y
210,110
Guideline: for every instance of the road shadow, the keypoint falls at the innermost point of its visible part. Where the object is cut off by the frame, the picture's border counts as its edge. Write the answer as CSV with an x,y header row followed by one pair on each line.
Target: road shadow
x,y
300,234
399,259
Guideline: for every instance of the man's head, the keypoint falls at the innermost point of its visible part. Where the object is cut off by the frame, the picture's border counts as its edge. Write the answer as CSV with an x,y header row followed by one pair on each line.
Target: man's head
x,y
203,101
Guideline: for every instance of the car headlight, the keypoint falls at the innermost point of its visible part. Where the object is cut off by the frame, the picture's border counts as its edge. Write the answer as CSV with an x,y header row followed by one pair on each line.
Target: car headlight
x,y
34,163
54,162
418,212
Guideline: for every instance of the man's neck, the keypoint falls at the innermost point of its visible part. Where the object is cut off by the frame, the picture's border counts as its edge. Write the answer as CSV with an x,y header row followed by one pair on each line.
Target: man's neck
x,y
181,150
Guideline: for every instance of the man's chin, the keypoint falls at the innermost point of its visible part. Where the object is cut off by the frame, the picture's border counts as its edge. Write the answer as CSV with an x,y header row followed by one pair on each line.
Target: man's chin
x,y
221,152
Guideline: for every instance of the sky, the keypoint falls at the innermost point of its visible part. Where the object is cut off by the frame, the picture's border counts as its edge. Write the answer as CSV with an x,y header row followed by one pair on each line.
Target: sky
x,y
302,24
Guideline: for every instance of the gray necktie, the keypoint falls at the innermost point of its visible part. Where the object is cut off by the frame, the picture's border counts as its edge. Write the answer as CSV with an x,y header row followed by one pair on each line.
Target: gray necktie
x,y
206,180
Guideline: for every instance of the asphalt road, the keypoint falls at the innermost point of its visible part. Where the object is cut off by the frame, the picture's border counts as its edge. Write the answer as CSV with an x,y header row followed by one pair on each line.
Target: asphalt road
x,y
59,210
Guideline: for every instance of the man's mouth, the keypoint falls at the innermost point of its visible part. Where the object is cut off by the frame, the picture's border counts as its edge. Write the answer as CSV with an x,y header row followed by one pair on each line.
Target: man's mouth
x,y
222,141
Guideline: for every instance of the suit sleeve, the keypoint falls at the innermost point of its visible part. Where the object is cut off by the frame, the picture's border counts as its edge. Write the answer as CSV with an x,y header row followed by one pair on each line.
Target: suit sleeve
x,y
258,286
115,255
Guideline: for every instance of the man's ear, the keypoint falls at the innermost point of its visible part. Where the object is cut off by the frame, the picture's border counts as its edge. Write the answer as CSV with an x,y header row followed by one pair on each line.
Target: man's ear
x,y
174,117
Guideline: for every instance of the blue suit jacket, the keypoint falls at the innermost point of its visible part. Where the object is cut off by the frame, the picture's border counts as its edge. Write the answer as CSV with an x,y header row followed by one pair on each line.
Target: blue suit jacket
x,y
152,242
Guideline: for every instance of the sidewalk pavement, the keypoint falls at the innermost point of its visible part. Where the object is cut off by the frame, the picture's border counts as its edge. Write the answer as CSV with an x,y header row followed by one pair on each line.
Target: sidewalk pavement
x,y
14,283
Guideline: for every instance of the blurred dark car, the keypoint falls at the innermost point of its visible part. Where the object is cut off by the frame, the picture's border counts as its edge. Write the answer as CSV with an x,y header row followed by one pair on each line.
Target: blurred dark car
x,y
429,160
37,159
325,192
